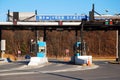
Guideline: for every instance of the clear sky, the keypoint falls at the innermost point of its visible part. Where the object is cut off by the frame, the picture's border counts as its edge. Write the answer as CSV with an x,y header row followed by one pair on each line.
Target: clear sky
x,y
58,6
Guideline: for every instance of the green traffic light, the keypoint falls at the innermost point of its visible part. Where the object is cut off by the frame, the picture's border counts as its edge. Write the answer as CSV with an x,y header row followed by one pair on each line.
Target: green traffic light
x,y
106,22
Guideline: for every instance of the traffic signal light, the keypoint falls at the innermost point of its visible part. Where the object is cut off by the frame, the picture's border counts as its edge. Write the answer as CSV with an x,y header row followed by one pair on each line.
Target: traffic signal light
x,y
111,22
108,22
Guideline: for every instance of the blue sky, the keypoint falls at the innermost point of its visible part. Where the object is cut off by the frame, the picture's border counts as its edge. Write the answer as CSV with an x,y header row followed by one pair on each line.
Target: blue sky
x,y
58,6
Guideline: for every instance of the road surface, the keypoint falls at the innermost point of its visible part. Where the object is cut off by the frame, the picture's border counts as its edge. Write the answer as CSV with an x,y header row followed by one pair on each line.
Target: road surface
x,y
60,71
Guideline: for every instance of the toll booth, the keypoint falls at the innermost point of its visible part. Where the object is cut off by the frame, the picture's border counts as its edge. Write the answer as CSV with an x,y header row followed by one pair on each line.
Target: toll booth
x,y
41,49
80,55
80,48
77,48
41,57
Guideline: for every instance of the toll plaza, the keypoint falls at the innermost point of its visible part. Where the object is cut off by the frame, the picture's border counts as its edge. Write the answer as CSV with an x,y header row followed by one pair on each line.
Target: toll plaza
x,y
34,21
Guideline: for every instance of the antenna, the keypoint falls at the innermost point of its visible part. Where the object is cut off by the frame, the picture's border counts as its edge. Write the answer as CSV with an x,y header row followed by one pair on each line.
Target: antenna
x,y
35,12
93,7
91,13
8,15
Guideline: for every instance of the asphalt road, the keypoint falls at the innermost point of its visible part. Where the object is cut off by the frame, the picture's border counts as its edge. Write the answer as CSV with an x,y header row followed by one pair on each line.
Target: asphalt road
x,y
15,71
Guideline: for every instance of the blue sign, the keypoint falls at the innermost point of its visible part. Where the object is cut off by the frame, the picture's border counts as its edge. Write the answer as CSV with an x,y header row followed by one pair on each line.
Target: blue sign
x,y
41,44
78,44
63,18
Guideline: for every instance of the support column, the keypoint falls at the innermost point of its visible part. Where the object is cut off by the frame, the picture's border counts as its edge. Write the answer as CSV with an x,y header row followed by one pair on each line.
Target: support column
x,y
81,36
0,35
44,34
0,39
36,37
76,35
118,45
2,51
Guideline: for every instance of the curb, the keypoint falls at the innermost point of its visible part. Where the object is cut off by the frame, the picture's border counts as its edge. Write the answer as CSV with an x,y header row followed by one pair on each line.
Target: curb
x,y
114,62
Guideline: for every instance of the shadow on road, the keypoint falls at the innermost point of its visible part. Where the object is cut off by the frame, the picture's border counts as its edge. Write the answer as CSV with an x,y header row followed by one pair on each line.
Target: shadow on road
x,y
60,62
25,62
70,77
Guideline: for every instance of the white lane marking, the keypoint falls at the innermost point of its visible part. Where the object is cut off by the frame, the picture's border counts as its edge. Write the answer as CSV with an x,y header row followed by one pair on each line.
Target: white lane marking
x,y
24,67
70,69
59,64
16,73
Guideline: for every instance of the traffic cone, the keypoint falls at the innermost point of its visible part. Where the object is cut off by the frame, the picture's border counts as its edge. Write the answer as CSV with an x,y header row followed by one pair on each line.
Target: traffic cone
x,y
66,58
89,63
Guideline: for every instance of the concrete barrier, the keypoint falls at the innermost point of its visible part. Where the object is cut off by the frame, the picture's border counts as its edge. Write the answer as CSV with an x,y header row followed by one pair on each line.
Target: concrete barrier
x,y
35,61
83,59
